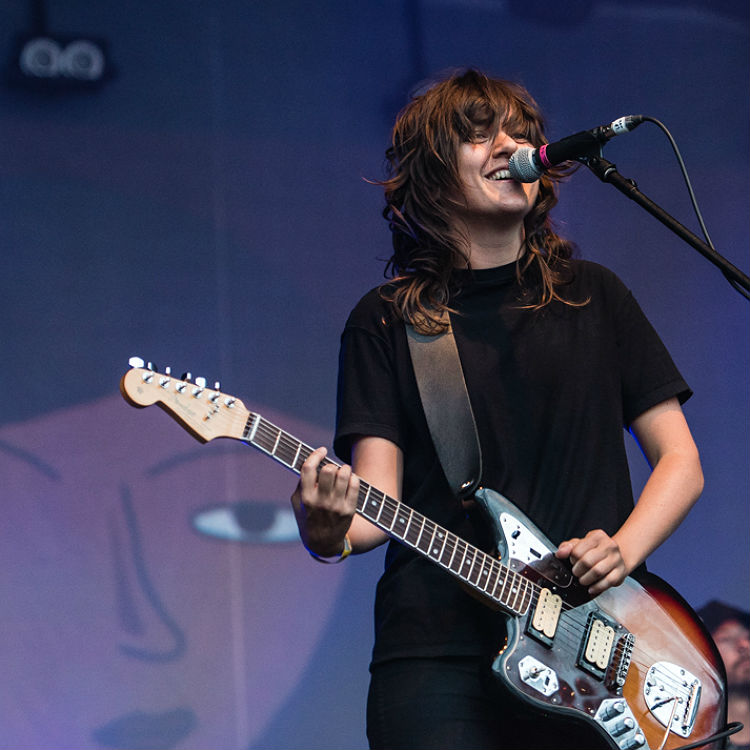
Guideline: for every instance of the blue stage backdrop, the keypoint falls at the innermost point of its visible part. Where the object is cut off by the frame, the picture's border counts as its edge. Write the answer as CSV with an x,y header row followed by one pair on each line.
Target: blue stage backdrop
x,y
207,207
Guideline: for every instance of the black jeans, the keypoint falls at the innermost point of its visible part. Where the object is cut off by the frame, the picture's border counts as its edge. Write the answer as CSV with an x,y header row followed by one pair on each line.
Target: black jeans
x,y
457,704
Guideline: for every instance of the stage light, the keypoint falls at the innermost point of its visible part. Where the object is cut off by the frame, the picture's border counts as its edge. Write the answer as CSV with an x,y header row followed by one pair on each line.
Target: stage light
x,y
53,63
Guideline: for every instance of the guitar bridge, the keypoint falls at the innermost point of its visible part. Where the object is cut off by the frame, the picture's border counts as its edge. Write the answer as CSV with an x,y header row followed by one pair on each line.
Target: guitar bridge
x,y
673,695
618,669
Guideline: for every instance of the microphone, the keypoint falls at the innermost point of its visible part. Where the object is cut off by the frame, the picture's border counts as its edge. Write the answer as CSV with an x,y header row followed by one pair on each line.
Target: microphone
x,y
529,164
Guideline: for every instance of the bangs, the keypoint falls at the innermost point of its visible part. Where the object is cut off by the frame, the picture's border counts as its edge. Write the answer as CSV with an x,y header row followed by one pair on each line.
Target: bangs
x,y
486,106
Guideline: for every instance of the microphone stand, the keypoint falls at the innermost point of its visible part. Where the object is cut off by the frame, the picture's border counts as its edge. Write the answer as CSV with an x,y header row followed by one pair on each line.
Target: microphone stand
x,y
607,172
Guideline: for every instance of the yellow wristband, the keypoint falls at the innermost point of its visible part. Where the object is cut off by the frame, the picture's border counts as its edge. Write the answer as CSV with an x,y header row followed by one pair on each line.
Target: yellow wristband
x,y
338,558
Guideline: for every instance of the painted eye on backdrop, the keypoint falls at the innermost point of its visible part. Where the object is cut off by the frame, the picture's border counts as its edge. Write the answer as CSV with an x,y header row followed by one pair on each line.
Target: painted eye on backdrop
x,y
256,522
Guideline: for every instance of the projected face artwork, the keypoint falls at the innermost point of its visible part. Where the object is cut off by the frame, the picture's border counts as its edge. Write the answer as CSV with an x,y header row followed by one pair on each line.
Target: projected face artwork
x,y
154,589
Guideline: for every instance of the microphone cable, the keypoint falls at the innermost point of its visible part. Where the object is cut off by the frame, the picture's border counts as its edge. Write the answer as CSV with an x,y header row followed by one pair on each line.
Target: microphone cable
x,y
693,200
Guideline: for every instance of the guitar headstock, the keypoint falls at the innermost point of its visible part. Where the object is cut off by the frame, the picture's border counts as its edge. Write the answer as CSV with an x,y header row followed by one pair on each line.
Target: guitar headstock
x,y
205,412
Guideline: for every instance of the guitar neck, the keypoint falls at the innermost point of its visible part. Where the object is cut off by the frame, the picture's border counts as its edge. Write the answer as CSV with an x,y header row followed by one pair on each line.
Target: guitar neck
x,y
485,574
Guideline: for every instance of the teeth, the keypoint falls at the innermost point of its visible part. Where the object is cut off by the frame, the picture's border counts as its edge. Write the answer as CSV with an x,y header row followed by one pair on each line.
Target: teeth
x,y
501,174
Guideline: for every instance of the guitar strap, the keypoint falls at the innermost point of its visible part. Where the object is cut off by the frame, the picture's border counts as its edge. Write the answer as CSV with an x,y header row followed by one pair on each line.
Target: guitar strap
x,y
446,405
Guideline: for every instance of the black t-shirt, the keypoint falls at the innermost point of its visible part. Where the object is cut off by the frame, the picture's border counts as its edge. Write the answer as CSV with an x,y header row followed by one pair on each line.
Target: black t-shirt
x,y
551,390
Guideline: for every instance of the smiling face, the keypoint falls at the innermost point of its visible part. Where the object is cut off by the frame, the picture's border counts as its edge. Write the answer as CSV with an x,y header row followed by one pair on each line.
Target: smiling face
x,y
445,205
488,191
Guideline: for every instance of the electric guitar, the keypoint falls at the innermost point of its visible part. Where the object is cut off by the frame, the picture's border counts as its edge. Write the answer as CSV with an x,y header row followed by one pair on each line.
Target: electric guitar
x,y
635,662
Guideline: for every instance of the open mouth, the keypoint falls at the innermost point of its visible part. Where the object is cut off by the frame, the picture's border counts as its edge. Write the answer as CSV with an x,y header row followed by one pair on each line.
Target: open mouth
x,y
498,174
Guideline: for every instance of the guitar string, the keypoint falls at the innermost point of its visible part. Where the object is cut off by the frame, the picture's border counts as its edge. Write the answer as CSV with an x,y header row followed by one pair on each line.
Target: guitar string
x,y
568,628
573,630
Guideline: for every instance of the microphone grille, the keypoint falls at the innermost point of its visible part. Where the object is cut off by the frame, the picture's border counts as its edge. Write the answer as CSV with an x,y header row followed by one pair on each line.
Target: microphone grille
x,y
522,167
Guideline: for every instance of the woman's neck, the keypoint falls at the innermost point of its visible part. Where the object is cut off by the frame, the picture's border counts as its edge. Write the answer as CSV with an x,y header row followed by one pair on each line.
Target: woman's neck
x,y
491,248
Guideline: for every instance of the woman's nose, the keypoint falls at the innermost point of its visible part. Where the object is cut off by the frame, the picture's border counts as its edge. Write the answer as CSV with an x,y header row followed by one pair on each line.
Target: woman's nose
x,y
503,144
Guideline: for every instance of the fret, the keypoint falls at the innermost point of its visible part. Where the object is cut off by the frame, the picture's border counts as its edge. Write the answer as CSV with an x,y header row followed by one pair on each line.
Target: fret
x,y
380,510
469,563
505,574
437,535
367,505
398,521
442,535
364,491
250,427
296,458
284,448
453,555
414,529
388,510
396,516
463,560
421,530
403,520
264,431
474,570
424,544
528,595
516,589
522,588
492,577
485,573
276,443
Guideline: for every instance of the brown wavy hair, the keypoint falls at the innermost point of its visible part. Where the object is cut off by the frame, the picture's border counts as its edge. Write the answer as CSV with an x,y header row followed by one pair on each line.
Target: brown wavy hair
x,y
422,170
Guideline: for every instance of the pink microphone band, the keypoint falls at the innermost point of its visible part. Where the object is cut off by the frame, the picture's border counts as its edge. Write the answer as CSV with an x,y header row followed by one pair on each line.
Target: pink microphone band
x,y
543,156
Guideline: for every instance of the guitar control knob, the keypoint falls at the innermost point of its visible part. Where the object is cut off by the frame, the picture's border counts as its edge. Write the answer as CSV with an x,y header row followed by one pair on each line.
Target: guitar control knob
x,y
626,725
614,709
637,740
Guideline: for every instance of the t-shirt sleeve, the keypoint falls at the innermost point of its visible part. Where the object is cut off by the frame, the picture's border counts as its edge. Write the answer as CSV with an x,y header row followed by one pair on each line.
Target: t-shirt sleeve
x,y
648,373
368,399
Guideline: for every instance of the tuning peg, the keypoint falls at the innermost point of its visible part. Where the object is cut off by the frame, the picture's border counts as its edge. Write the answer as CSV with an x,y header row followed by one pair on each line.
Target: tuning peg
x,y
214,397
151,366
200,386
136,362
187,376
